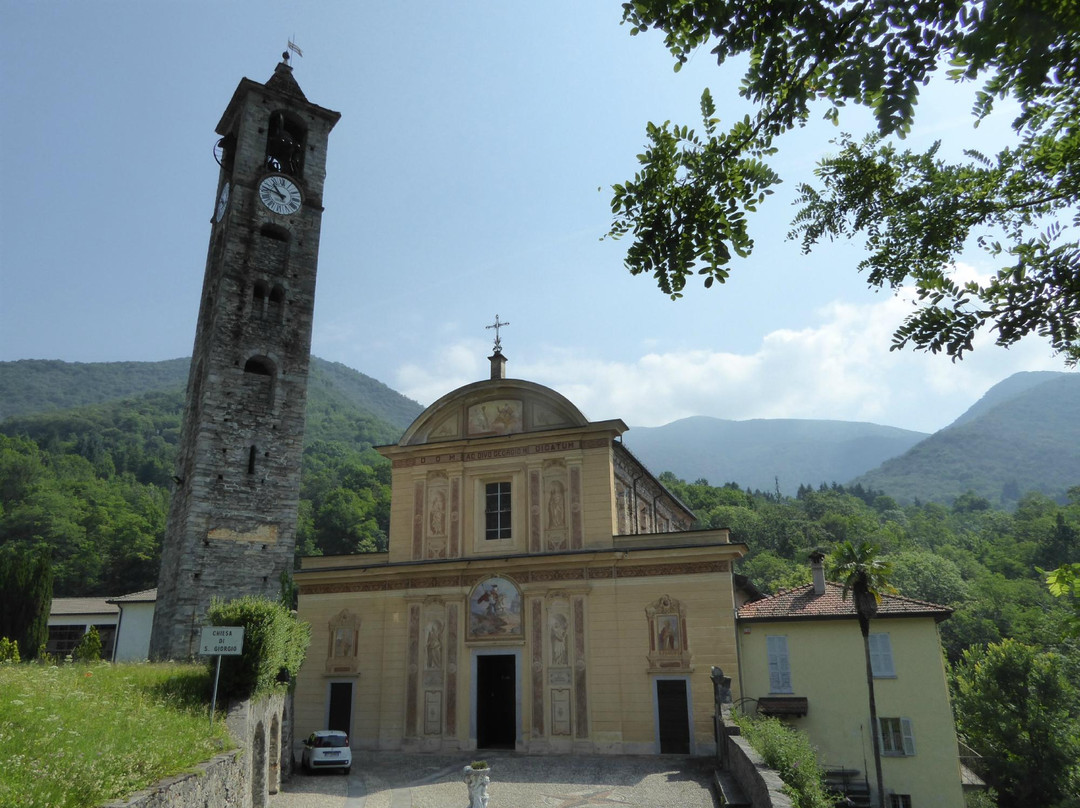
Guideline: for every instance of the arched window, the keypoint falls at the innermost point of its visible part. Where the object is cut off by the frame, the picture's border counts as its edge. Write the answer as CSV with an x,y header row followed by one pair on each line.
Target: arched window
x,y
259,291
259,365
276,309
285,140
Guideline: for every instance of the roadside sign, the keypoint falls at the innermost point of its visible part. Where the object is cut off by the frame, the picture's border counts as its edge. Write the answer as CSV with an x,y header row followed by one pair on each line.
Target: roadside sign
x,y
222,640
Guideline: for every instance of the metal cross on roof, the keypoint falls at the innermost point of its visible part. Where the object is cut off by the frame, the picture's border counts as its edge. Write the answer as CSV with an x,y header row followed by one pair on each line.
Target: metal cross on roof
x,y
497,325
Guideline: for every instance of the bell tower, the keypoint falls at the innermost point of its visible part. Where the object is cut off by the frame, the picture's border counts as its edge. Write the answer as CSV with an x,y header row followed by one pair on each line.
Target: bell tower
x,y
232,523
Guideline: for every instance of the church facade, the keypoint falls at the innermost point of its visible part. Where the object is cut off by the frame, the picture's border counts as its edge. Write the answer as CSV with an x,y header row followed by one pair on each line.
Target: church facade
x,y
542,592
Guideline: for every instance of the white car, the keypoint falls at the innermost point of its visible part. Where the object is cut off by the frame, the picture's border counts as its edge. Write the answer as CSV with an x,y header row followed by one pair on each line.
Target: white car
x,y
327,749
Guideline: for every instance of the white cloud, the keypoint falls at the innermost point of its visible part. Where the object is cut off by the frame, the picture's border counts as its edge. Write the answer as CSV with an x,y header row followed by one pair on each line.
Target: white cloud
x,y
839,368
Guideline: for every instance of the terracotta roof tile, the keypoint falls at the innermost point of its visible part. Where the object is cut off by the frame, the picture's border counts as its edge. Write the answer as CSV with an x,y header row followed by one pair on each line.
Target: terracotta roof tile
x,y
802,604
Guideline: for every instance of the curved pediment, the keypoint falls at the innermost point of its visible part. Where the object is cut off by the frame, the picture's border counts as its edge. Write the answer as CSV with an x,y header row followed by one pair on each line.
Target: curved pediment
x,y
492,408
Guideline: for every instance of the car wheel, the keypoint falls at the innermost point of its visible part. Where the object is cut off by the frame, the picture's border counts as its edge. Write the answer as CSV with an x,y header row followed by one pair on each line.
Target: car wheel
x,y
347,769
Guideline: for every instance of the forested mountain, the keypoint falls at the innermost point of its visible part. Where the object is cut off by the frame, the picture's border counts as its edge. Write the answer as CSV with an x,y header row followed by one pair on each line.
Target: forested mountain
x,y
1023,435
764,453
42,385
31,386
1006,389
93,482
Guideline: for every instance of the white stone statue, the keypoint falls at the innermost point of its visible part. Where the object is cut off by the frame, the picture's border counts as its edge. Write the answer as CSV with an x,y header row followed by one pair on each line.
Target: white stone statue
x,y
477,781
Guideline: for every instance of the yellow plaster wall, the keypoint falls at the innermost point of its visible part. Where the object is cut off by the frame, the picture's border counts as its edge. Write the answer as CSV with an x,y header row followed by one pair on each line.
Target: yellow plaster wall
x,y
828,667
379,681
597,497
622,686
597,494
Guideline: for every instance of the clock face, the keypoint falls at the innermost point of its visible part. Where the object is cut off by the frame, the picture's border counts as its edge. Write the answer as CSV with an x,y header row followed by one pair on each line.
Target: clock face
x,y
280,194
223,202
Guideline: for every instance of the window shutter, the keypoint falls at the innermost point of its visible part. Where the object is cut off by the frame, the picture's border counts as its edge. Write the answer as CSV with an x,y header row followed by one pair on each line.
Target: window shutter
x,y
881,659
779,665
909,736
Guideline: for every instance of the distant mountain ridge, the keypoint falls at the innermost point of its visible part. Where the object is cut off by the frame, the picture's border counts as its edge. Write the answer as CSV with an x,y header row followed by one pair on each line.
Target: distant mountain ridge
x,y
762,453
32,386
1006,389
29,386
1022,435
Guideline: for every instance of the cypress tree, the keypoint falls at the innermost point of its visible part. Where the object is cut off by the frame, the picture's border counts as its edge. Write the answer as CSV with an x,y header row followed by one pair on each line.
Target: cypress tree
x,y
25,598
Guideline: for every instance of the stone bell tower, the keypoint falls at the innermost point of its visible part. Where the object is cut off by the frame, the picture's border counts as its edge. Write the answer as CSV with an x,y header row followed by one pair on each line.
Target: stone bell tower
x,y
232,524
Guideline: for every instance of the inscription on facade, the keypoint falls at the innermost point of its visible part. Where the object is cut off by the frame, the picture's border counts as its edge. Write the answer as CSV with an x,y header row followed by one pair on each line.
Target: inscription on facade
x,y
490,454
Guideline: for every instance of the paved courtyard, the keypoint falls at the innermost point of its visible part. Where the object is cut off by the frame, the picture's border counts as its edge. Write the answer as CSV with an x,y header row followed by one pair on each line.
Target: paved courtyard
x,y
395,780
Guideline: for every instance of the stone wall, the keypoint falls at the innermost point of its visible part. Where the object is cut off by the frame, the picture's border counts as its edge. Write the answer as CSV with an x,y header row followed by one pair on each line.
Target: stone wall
x,y
761,785
241,778
219,782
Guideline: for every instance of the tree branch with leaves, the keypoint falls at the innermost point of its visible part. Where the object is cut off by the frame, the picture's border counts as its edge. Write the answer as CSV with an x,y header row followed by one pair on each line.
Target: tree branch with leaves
x,y
686,208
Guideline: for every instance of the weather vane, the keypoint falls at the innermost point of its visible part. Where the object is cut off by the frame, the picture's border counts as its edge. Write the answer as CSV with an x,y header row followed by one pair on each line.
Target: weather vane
x,y
497,325
294,48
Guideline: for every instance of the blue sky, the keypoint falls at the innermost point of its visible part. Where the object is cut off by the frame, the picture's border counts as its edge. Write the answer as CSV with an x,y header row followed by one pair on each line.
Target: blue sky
x,y
469,176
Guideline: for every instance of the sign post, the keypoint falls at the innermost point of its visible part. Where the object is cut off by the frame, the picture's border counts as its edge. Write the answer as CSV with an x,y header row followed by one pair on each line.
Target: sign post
x,y
220,641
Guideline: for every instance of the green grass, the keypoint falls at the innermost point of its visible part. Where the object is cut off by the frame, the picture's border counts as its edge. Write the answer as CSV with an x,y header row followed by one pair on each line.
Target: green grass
x,y
77,736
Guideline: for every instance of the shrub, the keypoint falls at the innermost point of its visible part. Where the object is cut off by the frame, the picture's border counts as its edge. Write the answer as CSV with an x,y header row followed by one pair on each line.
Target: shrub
x,y
275,644
790,753
9,650
89,647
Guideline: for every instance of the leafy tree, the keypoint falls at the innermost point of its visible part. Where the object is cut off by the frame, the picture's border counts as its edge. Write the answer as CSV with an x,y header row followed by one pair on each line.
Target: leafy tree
x,y
25,598
771,573
925,576
687,206
1018,709
866,577
1064,582
89,647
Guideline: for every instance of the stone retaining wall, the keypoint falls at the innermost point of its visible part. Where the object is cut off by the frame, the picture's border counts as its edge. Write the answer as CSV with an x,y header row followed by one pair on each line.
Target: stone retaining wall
x,y
219,781
242,778
762,785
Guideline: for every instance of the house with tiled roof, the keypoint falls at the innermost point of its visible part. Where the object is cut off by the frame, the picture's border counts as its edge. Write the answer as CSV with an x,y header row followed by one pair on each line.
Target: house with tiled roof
x,y
123,623
801,658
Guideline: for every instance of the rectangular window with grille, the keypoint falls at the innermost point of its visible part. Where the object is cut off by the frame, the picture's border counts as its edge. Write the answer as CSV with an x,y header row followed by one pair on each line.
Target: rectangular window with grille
x,y
497,511
63,639
899,801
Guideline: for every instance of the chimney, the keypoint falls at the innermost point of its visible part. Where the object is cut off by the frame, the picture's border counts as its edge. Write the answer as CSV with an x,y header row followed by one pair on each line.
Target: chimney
x,y
817,569
498,365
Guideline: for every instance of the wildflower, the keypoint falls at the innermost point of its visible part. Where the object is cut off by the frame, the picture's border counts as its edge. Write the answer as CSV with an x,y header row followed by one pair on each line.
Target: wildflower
x,y
88,674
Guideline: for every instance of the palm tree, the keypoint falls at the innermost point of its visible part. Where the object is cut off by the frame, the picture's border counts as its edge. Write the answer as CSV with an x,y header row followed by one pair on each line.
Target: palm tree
x,y
866,577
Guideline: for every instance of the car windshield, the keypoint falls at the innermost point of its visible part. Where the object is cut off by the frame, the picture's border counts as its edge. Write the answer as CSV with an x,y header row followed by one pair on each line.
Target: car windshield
x,y
331,740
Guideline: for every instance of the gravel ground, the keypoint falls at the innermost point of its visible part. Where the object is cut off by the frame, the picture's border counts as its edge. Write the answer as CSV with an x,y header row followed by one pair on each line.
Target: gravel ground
x,y
395,780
